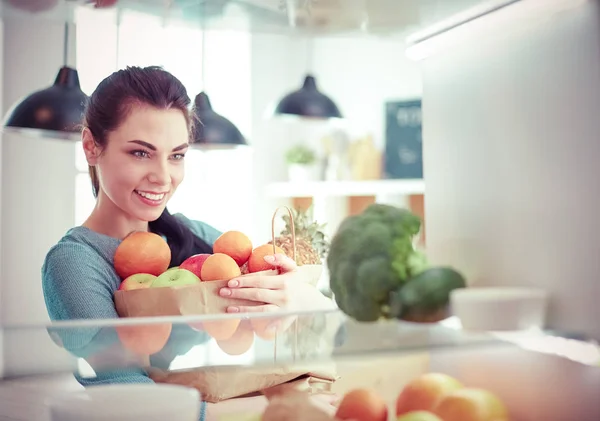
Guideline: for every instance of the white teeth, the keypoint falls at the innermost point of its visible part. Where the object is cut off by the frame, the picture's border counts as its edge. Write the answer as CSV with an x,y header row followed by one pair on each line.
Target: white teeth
x,y
150,195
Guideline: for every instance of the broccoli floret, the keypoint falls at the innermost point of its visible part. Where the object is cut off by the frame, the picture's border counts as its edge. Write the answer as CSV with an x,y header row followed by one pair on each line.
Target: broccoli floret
x,y
416,263
370,256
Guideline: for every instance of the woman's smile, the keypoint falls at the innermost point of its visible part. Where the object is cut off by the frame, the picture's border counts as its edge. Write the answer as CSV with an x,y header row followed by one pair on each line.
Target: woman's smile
x,y
151,198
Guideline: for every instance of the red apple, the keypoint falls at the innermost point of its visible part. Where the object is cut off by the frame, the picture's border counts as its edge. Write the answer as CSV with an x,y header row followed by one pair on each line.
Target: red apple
x,y
137,281
194,263
105,3
34,6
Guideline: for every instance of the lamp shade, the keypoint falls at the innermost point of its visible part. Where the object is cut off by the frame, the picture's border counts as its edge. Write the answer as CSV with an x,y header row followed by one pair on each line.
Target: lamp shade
x,y
308,101
56,111
212,129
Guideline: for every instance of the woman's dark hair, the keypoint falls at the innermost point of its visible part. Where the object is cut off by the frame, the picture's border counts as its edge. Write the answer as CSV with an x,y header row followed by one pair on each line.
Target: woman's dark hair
x,y
107,108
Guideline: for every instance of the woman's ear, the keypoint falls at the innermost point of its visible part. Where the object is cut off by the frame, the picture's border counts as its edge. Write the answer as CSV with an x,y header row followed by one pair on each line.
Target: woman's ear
x,y
90,148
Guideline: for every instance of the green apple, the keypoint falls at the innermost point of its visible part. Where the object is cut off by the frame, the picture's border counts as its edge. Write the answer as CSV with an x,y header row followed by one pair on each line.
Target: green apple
x,y
418,416
175,277
137,281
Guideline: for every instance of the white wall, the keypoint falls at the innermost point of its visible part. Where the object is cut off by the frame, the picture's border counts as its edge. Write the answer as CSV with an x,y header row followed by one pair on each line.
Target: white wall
x,y
37,174
37,192
276,69
360,74
218,185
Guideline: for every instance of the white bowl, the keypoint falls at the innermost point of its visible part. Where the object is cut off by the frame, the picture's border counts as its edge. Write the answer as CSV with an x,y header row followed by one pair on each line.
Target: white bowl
x,y
499,308
127,402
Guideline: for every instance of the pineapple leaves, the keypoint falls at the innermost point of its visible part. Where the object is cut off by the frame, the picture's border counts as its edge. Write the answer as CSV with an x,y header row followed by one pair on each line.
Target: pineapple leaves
x,y
305,227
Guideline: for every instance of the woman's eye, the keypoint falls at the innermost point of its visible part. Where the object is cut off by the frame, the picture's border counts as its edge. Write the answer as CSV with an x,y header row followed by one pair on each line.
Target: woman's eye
x,y
178,156
140,154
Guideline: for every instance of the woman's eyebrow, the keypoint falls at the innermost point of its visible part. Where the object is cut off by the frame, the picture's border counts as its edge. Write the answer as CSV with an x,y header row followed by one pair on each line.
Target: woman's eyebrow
x,y
153,148
145,144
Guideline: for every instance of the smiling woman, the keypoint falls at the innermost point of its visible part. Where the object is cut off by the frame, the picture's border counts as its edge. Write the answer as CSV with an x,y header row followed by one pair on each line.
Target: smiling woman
x,y
136,131
135,136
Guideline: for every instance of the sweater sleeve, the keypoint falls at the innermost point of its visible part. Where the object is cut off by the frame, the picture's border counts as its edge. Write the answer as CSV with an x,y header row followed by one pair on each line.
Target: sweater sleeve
x,y
76,283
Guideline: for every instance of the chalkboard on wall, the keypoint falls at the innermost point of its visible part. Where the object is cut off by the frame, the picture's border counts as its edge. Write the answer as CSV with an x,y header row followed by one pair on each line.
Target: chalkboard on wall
x,y
403,140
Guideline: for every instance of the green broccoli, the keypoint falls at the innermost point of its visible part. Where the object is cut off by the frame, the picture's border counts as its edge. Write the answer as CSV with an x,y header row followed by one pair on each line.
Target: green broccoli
x,y
370,256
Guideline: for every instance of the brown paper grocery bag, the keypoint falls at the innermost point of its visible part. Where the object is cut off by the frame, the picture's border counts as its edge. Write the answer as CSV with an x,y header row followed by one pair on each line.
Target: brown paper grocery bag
x,y
216,384
219,383
188,300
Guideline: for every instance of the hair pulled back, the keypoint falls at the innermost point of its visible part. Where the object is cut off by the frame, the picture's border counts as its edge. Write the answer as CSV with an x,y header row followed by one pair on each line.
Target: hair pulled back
x,y
110,104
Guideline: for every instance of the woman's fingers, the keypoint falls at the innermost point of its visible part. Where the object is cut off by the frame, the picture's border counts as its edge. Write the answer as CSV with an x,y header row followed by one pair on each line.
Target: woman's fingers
x,y
252,309
257,280
282,261
263,295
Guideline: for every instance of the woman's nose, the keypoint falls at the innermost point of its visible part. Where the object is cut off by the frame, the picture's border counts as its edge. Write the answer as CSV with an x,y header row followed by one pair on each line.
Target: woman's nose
x,y
160,174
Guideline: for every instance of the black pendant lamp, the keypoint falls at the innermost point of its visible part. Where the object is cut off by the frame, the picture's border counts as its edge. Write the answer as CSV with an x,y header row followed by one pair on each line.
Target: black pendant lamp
x,y
212,130
56,111
308,101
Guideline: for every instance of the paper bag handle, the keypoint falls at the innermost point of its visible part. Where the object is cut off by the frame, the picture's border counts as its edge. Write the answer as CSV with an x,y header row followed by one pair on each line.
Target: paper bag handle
x,y
293,230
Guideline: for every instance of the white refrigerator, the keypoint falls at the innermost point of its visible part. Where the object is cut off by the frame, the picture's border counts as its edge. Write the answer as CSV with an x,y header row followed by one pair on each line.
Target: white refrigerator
x,y
511,145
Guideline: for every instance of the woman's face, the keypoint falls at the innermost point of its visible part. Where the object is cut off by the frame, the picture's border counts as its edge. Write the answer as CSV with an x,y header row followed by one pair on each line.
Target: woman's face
x,y
142,164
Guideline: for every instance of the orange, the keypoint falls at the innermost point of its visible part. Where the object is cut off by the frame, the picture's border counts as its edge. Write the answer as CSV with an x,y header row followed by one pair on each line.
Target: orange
x,y
219,267
146,339
260,326
424,392
241,341
142,252
235,244
221,330
471,404
362,405
256,262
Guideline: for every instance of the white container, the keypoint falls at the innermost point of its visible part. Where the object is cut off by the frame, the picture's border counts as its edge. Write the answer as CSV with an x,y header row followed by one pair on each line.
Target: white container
x,y
499,308
298,173
311,273
127,402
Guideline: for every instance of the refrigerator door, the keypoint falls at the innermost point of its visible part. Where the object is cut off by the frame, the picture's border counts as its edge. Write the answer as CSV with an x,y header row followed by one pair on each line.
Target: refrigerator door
x,y
511,112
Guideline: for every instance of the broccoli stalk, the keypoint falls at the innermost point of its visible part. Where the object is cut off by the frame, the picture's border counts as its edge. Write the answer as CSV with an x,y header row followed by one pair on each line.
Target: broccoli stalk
x,y
370,256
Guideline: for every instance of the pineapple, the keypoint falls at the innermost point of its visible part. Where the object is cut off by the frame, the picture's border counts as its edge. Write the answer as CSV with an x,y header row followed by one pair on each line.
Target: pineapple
x,y
311,243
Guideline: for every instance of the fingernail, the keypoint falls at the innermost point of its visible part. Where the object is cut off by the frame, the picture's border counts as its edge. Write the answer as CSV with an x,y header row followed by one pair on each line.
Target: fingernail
x,y
270,259
233,309
272,328
225,291
233,283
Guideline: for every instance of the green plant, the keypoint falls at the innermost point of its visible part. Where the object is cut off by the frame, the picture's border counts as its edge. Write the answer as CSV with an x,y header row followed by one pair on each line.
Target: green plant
x,y
300,154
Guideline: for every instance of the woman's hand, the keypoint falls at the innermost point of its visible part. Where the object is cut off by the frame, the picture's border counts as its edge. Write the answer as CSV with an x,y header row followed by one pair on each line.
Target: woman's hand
x,y
284,291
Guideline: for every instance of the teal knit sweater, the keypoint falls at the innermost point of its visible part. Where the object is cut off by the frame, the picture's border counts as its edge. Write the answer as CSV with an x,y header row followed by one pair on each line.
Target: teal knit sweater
x,y
79,281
